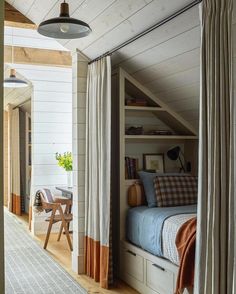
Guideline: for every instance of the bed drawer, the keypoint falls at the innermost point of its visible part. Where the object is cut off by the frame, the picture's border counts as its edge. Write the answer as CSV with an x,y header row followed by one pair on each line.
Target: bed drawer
x,y
133,264
159,279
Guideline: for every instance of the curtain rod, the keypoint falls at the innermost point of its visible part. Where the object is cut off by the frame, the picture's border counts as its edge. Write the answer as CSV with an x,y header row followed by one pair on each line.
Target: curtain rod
x,y
155,26
22,103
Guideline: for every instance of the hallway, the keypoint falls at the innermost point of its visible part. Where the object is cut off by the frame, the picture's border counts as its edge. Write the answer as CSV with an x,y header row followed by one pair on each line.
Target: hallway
x,y
29,269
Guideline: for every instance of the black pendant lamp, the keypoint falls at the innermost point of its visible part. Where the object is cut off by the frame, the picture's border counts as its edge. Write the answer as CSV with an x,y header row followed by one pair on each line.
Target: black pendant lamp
x,y
64,26
14,82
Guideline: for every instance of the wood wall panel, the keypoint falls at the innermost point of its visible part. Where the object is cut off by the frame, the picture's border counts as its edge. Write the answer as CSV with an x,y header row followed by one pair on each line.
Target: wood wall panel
x,y
2,270
14,16
26,55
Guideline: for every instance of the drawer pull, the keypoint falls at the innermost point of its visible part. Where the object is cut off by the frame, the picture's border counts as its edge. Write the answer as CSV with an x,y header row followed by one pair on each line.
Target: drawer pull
x,y
130,252
159,267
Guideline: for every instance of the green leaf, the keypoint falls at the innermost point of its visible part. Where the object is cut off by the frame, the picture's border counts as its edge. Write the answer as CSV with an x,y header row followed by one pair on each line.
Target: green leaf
x,y
65,160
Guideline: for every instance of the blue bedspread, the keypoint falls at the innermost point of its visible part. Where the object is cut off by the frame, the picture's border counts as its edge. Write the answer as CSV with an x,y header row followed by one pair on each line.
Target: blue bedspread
x,y
144,225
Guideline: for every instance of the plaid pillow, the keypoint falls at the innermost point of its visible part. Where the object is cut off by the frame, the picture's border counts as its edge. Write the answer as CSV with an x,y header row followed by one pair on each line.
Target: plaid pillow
x,y
175,190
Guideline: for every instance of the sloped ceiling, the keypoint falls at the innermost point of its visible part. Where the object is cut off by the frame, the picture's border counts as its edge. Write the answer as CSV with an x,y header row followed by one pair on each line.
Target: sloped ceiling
x,y
166,60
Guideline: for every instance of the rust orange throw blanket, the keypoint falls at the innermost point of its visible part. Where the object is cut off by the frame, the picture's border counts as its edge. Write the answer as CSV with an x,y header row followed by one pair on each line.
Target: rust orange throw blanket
x,y
185,243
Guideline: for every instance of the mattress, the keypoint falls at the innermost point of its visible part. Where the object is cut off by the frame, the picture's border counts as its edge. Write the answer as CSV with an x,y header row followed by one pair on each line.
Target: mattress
x,y
155,229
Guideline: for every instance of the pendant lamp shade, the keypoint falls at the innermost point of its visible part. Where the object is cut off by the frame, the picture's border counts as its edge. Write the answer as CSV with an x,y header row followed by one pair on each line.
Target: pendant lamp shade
x,y
14,82
64,26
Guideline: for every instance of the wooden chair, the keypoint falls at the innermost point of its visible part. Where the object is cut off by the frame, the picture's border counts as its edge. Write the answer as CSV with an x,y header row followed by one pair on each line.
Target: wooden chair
x,y
65,217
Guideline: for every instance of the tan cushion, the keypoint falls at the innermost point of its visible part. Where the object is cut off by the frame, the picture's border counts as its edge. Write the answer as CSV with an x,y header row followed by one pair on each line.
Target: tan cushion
x,y
57,218
136,195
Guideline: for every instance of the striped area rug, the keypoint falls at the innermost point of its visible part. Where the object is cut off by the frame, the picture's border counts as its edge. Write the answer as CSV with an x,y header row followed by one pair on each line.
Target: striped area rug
x,y
29,269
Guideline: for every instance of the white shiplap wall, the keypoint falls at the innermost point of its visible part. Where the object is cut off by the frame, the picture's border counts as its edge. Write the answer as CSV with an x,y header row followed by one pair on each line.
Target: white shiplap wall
x,y
51,127
29,38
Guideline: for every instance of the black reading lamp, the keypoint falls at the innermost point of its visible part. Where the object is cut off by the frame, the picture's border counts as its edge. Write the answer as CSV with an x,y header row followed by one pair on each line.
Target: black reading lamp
x,y
175,154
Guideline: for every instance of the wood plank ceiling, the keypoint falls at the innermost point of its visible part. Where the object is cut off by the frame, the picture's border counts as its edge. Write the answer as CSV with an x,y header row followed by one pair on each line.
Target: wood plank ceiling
x,y
166,60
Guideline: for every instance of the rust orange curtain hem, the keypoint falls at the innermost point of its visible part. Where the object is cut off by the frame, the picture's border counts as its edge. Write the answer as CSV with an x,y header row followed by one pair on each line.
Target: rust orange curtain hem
x,y
97,261
30,217
14,199
16,204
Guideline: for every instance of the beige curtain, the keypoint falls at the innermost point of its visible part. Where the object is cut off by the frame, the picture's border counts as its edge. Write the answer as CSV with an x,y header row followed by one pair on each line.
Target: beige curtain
x,y
5,158
14,198
215,238
98,171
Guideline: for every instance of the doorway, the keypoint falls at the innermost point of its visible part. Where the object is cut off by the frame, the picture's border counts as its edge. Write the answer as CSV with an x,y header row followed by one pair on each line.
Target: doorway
x,y
17,148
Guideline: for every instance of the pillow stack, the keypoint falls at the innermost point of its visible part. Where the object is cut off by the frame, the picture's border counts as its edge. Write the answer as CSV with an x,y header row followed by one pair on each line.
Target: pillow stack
x,y
147,180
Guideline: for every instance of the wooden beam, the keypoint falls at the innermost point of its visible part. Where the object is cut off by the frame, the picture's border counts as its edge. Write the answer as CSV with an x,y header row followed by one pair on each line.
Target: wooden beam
x,y
25,55
13,17
20,25
2,270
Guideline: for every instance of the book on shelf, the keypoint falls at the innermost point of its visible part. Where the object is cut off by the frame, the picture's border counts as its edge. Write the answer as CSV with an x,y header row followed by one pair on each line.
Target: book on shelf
x,y
159,132
131,168
130,101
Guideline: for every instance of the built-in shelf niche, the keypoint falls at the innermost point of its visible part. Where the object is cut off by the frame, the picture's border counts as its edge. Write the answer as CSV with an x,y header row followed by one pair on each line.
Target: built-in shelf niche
x,y
134,146
132,91
156,107
158,137
154,116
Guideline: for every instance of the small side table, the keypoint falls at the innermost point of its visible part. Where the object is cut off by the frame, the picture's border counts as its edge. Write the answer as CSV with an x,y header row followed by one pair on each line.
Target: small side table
x,y
68,193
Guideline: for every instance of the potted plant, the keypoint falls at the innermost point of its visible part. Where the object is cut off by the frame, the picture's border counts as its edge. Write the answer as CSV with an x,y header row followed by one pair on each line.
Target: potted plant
x,y
65,161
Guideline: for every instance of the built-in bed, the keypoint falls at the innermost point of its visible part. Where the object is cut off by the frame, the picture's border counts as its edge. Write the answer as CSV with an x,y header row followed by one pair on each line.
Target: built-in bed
x,y
155,229
149,257
148,254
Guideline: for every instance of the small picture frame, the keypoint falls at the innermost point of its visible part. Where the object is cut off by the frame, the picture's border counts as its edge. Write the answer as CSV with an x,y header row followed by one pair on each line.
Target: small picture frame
x,y
154,162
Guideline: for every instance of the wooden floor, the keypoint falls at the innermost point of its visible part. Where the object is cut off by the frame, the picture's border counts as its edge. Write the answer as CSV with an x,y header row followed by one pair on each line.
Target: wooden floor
x,y
61,253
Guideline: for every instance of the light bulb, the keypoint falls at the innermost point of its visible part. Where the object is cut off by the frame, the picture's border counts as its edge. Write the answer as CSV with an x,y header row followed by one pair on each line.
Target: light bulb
x,y
64,28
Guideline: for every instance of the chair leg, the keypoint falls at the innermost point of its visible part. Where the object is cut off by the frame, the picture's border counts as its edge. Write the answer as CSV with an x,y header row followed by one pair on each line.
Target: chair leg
x,y
49,229
60,232
67,235
65,227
